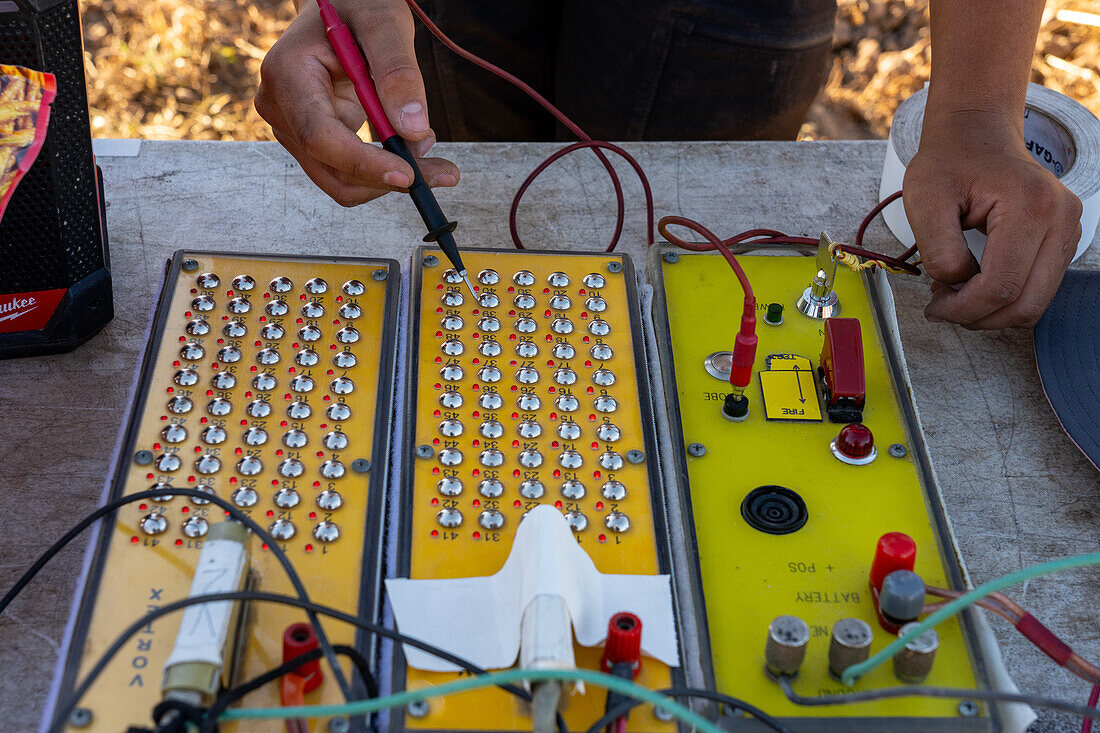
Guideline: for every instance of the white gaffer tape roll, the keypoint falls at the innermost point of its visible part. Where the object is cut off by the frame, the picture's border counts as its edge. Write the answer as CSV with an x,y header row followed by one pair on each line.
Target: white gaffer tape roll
x,y
1063,136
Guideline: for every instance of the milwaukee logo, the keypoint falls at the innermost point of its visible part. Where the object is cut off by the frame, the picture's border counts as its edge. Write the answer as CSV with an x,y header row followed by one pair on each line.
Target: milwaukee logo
x,y
28,311
17,307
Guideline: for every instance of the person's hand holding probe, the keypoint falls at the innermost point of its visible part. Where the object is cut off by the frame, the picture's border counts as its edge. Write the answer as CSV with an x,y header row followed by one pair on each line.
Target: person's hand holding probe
x,y
308,101
973,171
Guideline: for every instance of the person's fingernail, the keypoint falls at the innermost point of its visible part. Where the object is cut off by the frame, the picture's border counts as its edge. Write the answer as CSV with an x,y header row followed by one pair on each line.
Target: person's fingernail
x,y
932,319
413,118
396,178
425,145
445,180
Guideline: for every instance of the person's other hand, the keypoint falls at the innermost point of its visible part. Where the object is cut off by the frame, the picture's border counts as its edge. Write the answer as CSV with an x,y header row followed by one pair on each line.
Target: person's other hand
x,y
973,173
310,104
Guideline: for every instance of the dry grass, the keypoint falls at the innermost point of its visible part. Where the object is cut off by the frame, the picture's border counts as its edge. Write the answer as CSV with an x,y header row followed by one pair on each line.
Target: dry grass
x,y
187,69
881,55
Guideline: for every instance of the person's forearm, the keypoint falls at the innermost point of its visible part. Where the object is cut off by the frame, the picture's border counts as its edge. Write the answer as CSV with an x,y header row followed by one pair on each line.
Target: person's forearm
x,y
981,60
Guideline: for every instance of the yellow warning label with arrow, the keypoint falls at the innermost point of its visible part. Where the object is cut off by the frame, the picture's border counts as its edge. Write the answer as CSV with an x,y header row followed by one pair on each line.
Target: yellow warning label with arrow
x,y
790,392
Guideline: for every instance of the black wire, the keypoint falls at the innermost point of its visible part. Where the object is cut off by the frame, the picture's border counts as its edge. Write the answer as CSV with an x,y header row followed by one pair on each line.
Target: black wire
x,y
919,691
231,696
112,506
621,710
64,709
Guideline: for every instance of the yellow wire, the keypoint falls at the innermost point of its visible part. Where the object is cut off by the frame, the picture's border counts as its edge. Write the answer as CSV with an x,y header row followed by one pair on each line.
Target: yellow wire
x,y
853,263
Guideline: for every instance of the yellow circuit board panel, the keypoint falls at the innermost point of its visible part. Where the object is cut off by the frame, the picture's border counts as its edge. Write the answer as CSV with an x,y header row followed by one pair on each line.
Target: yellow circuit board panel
x,y
532,393
266,382
818,572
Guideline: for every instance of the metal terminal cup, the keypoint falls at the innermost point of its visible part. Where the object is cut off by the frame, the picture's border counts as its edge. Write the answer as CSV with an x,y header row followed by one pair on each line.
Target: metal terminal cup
x,y
786,645
914,663
850,644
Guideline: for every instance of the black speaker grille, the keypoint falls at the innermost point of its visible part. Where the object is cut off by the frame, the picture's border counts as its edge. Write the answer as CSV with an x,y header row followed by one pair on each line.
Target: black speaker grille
x,y
50,233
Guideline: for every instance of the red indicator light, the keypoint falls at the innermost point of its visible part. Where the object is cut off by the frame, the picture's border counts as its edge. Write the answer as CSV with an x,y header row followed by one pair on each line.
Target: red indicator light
x,y
475,472
602,538
313,515
558,504
435,471
435,533
599,506
179,542
435,501
477,535
309,548
143,507
270,513
517,504
185,509
855,441
477,502
135,540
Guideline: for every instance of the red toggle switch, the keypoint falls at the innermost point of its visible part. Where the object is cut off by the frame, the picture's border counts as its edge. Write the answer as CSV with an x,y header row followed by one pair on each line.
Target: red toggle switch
x,y
841,370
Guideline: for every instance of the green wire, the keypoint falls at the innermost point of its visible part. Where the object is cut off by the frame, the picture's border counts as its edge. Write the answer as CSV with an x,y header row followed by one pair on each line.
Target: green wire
x,y
1077,561
359,707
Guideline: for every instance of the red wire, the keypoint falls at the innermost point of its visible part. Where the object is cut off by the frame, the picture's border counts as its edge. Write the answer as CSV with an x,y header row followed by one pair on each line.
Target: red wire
x,y
595,144
713,243
560,117
757,236
1094,697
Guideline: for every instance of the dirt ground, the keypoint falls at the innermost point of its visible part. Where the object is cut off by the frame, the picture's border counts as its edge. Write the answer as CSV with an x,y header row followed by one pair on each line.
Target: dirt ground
x,y
187,69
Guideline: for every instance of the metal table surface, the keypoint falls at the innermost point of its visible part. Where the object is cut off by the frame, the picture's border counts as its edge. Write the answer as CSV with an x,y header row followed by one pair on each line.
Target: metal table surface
x,y
1016,489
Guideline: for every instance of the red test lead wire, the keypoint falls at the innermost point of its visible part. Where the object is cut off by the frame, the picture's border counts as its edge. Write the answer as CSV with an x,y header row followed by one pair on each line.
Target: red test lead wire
x,y
351,59
355,66
744,345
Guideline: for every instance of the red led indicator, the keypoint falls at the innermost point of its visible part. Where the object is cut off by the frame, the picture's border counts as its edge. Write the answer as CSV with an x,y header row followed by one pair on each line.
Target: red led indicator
x,y
135,540
435,533
477,535
517,503
179,542
435,501
477,502
309,548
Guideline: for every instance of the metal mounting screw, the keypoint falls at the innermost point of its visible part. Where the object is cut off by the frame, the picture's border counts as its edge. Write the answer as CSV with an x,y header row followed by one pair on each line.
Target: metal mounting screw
x,y
338,725
635,456
670,257
360,465
424,451
614,266
190,265
662,714
143,457
897,450
80,718
418,708
968,709
431,261
379,275
697,449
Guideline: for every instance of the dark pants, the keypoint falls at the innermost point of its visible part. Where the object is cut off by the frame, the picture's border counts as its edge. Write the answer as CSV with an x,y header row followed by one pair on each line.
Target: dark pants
x,y
628,69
